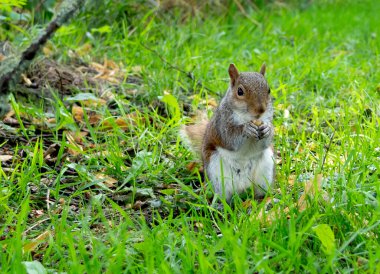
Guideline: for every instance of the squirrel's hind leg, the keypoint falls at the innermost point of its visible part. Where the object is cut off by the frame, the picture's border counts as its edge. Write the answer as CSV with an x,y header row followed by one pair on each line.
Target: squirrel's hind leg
x,y
218,172
263,174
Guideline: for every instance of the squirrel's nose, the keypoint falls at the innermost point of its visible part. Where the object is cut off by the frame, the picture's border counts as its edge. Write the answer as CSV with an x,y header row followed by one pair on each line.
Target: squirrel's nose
x,y
260,110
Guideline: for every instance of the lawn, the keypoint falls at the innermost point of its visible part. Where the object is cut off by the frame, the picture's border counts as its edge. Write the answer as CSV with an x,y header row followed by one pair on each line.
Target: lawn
x,y
94,177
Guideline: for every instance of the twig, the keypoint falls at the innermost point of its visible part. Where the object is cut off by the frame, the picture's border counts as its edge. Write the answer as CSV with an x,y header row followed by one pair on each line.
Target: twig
x,y
33,226
48,199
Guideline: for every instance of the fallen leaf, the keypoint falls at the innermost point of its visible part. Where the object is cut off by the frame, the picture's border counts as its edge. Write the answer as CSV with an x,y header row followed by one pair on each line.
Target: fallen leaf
x,y
11,121
108,71
119,121
78,136
78,114
107,180
51,121
132,119
10,114
311,188
31,246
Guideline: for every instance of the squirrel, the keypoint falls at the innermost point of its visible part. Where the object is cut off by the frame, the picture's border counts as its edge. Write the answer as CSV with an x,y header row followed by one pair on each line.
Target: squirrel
x,y
236,144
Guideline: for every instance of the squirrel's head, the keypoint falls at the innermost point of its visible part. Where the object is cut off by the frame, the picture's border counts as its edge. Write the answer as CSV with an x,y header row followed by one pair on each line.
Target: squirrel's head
x,y
249,91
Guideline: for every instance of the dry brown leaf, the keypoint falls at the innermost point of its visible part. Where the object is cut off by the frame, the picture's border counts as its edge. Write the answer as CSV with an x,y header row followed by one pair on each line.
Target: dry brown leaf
x,y
96,66
78,114
94,118
11,121
108,71
107,180
311,188
2,57
94,103
4,158
10,114
119,121
51,121
125,122
31,246
77,136
110,64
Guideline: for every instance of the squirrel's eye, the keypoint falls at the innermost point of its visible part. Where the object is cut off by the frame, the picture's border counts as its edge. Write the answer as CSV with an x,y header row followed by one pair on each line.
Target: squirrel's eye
x,y
269,90
240,92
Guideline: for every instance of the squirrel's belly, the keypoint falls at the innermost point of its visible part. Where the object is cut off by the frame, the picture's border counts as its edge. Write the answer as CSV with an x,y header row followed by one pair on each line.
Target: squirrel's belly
x,y
229,172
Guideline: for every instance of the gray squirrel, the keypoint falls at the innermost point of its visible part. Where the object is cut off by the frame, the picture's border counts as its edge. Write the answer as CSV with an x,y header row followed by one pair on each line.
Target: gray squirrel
x,y
236,145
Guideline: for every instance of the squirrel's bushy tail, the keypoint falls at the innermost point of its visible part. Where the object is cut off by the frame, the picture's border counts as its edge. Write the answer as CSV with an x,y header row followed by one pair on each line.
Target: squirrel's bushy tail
x,y
192,136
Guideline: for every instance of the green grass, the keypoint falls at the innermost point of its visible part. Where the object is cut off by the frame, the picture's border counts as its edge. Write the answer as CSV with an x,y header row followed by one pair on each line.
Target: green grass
x,y
322,65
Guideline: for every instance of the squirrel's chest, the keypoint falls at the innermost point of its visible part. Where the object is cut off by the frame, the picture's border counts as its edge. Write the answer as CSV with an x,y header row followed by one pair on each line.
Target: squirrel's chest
x,y
249,151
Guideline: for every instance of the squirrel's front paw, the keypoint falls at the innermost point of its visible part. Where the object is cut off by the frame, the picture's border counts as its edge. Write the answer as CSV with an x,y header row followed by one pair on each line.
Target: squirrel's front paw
x,y
251,130
264,130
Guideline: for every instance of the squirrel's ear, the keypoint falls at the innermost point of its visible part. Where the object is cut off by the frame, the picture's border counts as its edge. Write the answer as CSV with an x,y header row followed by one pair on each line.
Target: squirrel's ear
x,y
263,68
234,73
